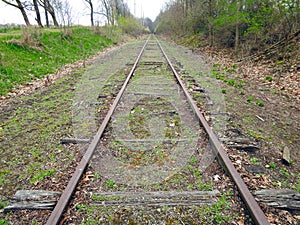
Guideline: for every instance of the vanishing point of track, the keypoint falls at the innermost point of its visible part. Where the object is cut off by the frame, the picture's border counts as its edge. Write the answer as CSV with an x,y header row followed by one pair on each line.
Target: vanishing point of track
x,y
254,209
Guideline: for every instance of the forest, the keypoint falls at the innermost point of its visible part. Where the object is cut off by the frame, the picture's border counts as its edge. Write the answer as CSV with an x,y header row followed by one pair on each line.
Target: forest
x,y
60,12
245,25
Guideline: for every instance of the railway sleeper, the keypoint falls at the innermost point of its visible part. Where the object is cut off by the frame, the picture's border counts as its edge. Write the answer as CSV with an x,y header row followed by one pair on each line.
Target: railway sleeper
x,y
157,199
281,199
33,200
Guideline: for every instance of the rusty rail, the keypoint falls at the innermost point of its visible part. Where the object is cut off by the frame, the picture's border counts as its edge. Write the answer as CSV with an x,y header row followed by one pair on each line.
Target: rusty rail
x,y
67,194
256,212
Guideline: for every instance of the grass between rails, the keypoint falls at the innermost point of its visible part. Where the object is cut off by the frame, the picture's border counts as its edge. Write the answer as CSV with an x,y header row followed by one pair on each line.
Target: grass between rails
x,y
33,52
188,178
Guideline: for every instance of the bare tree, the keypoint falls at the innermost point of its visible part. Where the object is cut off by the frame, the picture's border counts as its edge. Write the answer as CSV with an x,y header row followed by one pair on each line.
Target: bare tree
x,y
108,10
64,10
68,12
37,12
46,4
42,3
21,5
91,7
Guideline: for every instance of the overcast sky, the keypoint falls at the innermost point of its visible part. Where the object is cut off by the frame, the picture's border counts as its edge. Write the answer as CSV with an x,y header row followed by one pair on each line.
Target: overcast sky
x,y
146,8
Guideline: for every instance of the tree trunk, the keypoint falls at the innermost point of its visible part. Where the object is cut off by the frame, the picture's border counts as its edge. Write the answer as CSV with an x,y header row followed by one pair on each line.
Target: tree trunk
x,y
51,11
37,11
20,6
47,18
113,8
43,4
92,12
24,14
210,24
237,31
107,10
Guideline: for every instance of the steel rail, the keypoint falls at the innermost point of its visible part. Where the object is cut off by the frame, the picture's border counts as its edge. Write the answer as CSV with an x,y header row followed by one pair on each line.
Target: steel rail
x,y
68,192
256,212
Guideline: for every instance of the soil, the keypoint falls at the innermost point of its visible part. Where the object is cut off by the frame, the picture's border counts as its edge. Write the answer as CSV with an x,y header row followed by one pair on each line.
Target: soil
x,y
266,112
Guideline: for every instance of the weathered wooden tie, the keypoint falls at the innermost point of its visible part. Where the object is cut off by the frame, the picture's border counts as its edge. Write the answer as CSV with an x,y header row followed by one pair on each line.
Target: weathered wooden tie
x,y
282,199
157,199
74,141
33,200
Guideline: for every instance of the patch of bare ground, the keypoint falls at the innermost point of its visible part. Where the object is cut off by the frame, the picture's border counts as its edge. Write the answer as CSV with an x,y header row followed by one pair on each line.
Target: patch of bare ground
x,y
263,101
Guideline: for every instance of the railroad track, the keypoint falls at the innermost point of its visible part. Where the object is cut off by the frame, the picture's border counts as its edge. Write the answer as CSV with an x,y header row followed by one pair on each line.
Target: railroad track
x,y
152,130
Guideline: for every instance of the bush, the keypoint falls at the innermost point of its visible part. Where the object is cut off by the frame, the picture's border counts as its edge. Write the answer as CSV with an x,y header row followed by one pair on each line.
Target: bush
x,y
131,26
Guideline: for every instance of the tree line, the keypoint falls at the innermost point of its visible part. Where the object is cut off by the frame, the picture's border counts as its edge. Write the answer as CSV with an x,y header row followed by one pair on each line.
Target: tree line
x,y
59,12
242,24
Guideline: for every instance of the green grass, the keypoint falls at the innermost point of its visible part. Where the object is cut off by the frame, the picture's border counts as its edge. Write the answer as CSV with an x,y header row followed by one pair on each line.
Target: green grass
x,y
33,130
298,187
33,53
260,103
3,222
6,30
42,175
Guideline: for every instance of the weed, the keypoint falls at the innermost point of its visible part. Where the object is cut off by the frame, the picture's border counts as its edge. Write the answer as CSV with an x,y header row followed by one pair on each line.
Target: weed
x,y
277,184
4,222
215,73
99,198
285,172
273,91
193,160
216,65
231,82
298,187
85,207
90,222
260,103
239,84
255,161
205,186
222,204
197,95
247,119
2,205
111,184
189,86
256,135
190,186
250,99
42,175
197,173
96,176
268,78
224,91
230,70
220,77
272,165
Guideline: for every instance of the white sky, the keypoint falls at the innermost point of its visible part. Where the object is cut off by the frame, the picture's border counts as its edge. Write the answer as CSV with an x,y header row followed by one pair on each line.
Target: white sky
x,y
146,8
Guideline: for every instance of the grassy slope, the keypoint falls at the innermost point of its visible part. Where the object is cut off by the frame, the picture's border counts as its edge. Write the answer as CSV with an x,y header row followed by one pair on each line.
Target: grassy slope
x,y
33,53
31,129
